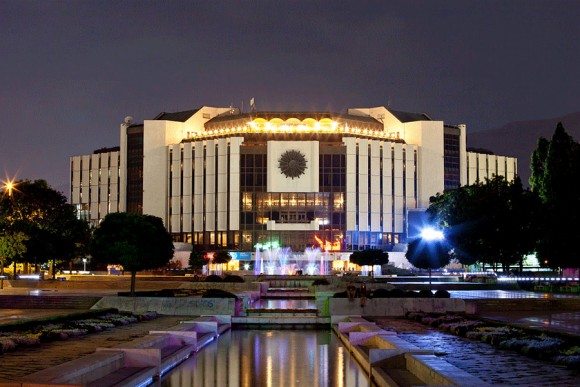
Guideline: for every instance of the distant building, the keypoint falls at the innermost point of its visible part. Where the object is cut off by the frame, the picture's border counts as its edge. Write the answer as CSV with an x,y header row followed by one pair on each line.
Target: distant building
x,y
219,177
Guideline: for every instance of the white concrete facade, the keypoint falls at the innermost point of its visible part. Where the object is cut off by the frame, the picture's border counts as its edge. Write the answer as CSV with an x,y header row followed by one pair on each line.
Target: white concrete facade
x,y
95,184
216,176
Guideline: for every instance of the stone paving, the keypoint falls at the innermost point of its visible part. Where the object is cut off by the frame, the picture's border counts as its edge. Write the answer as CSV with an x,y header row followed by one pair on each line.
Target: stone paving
x,y
24,361
493,365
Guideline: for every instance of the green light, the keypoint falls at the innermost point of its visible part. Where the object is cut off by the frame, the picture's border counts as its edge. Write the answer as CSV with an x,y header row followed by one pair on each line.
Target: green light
x,y
267,245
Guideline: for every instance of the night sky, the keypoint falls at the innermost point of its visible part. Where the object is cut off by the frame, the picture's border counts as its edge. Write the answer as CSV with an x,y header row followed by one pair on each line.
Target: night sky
x,y
70,71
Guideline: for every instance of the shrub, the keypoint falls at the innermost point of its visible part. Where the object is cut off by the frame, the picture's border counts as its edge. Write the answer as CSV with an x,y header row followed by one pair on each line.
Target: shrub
x,y
320,281
340,295
397,293
7,345
572,361
416,316
27,340
233,279
442,294
425,293
541,347
213,278
218,293
382,293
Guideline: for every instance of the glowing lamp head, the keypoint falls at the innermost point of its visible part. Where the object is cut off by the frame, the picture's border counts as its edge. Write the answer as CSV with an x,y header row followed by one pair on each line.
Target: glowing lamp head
x,y
430,234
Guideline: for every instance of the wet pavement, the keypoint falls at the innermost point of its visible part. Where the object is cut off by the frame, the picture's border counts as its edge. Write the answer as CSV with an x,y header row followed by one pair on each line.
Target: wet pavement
x,y
490,364
563,322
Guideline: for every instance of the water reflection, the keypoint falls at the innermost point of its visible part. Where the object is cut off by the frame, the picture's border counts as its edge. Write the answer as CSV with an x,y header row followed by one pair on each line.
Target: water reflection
x,y
270,358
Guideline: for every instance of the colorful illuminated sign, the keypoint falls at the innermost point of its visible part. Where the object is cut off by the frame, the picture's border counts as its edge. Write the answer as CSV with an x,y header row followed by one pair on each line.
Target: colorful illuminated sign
x,y
328,245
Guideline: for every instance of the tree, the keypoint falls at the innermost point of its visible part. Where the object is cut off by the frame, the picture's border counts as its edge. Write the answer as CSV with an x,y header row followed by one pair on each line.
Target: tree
x,y
429,255
555,174
137,242
221,257
369,257
491,222
197,259
11,246
51,225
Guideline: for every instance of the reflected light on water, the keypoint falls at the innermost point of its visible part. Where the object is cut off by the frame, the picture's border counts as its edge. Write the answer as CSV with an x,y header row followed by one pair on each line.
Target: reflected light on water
x,y
269,381
340,370
270,358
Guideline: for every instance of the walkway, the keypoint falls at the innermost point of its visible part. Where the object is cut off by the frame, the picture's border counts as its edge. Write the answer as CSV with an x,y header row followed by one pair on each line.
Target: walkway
x,y
25,361
495,366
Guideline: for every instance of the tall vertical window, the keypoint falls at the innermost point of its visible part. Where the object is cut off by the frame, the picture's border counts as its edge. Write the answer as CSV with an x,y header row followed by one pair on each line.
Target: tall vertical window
x,y
451,159
135,169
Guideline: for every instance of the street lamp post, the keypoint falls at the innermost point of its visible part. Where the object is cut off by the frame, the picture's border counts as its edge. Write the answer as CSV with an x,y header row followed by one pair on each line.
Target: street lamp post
x,y
8,186
84,264
432,236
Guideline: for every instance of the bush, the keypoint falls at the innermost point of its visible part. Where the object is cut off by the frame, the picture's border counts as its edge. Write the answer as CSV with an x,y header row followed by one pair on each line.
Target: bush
x,y
213,278
320,281
382,293
233,279
411,294
397,293
340,295
7,345
425,293
218,293
442,294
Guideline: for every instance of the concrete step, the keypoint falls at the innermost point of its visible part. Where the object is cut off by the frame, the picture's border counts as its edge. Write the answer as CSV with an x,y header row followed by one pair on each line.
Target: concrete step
x,y
270,296
281,321
289,290
281,312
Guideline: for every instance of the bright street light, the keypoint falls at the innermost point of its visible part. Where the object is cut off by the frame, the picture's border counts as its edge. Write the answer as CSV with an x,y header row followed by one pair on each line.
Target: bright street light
x,y
430,234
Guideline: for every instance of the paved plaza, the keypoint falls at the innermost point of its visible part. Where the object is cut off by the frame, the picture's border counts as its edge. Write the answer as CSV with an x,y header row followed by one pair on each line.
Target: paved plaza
x,y
495,366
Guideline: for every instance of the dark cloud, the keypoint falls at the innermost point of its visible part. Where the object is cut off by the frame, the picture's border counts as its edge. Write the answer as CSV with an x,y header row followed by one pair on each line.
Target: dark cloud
x,y
70,71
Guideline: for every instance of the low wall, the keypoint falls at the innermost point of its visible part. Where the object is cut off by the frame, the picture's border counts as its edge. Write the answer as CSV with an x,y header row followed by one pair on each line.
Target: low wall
x,y
475,306
173,306
395,307
124,284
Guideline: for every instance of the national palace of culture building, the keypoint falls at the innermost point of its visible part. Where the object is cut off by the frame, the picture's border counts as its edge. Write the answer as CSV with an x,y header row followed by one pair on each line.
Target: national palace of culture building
x,y
222,178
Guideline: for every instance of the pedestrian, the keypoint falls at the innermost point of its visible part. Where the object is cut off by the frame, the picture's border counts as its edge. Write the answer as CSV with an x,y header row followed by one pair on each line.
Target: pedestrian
x,y
351,291
363,294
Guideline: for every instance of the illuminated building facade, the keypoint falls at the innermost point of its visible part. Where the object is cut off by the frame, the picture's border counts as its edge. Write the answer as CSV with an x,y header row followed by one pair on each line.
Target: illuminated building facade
x,y
219,177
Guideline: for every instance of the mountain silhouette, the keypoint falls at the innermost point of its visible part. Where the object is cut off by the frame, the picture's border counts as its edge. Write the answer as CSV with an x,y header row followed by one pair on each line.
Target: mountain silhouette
x,y
520,138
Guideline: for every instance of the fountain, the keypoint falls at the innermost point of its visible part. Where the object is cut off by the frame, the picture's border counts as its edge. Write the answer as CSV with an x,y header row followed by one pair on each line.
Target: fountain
x,y
311,257
272,259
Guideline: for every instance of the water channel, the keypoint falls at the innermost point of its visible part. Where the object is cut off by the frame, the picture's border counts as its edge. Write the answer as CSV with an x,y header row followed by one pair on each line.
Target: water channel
x,y
270,358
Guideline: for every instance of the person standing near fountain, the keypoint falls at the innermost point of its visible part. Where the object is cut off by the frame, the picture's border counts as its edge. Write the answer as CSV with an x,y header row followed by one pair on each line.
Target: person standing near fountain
x,y
351,291
363,294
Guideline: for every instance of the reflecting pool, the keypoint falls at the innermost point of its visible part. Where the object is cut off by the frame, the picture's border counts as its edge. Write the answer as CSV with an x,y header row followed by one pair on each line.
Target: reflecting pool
x,y
270,358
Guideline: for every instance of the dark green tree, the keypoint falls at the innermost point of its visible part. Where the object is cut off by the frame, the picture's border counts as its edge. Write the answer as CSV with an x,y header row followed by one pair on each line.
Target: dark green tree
x,y
492,222
429,255
221,257
197,259
555,172
137,242
50,224
369,257
12,245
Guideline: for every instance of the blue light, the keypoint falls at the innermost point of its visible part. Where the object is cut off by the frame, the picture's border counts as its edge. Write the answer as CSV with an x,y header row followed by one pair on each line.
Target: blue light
x,y
430,234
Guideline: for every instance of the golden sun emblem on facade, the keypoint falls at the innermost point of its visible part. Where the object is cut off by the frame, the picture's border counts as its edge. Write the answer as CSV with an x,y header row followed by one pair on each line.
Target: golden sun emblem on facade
x,y
292,164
